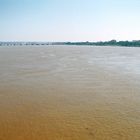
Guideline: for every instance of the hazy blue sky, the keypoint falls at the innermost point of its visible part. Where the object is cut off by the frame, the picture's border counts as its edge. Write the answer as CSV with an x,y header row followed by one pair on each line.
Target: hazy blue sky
x,y
69,20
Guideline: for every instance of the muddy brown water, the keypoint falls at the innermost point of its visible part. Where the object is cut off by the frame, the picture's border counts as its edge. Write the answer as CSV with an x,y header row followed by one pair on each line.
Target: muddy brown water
x,y
69,93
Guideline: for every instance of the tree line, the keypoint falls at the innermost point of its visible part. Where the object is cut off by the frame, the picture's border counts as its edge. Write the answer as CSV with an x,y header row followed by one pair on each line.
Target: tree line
x,y
108,43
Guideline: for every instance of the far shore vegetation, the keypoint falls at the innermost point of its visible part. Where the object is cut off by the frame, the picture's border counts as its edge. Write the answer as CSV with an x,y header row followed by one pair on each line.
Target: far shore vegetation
x,y
134,43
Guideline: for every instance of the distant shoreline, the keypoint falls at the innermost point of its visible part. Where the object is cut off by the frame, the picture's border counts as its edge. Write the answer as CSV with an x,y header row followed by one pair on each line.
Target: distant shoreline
x,y
134,43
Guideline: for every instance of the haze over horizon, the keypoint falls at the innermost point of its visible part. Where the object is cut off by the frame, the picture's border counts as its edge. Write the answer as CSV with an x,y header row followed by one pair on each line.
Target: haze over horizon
x,y
73,20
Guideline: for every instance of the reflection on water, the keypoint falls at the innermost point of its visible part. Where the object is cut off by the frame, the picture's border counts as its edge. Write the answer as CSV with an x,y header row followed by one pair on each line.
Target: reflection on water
x,y
69,93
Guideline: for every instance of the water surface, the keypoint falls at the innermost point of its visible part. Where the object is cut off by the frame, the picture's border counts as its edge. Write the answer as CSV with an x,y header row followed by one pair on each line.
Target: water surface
x,y
69,93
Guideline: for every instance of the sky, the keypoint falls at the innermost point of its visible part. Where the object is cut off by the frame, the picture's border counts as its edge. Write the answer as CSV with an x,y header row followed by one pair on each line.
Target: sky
x,y
69,20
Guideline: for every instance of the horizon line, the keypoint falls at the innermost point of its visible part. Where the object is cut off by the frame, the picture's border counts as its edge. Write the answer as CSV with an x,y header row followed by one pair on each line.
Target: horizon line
x,y
72,41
